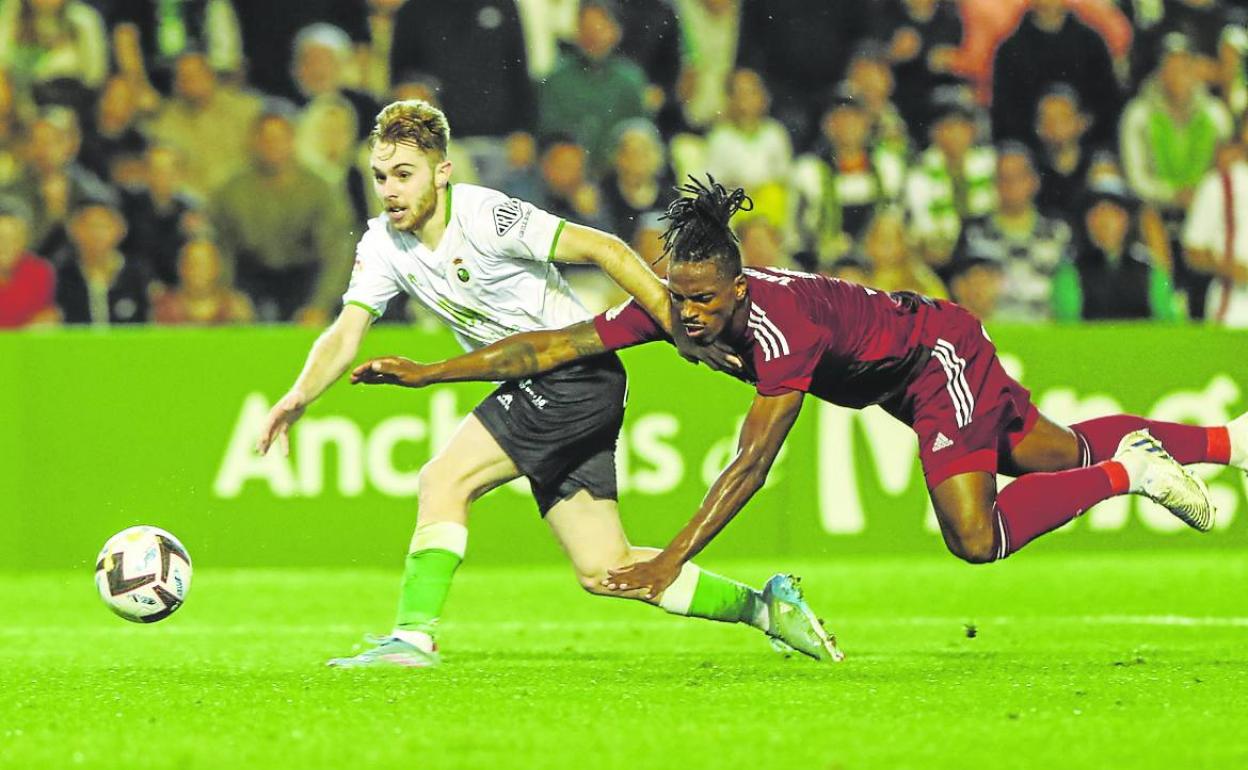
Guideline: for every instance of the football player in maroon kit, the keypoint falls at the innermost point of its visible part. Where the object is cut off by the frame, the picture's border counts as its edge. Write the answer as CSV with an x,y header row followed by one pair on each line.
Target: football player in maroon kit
x,y
928,363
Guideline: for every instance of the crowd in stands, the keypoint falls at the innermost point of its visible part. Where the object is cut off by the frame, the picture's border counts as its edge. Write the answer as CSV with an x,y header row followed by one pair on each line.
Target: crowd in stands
x,y
205,161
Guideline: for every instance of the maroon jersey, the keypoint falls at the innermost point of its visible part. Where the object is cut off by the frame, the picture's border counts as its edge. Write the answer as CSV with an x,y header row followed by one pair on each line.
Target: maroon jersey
x,y
839,341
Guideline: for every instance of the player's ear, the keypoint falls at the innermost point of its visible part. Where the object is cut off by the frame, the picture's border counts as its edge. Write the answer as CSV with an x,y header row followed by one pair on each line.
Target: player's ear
x,y
739,287
442,173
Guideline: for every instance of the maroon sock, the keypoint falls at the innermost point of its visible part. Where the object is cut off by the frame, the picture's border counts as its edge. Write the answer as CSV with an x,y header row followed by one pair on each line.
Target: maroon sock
x,y
1186,443
1036,503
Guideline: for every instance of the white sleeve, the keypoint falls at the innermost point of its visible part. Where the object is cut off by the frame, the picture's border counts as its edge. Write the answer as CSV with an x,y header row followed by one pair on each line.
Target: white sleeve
x,y
509,228
372,284
1204,227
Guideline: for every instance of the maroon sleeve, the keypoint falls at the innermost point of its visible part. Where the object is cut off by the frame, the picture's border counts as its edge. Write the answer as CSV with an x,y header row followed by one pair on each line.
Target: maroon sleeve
x,y
626,325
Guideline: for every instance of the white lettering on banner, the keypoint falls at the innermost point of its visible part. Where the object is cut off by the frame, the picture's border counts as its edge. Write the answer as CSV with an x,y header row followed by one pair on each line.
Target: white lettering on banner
x,y
649,438
242,464
388,479
841,508
370,457
312,437
721,453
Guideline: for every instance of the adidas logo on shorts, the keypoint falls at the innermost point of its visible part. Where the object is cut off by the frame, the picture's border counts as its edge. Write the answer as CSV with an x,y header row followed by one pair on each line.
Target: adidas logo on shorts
x,y
505,400
942,441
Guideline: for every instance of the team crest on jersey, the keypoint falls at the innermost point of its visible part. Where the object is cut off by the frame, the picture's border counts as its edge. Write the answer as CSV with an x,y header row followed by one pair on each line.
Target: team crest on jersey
x,y
460,271
506,215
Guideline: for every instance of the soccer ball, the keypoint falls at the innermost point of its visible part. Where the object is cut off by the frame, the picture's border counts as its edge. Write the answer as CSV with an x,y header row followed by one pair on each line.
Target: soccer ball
x,y
143,574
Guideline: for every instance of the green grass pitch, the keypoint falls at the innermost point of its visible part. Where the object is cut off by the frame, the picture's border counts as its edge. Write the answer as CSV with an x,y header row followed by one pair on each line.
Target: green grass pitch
x,y
1078,660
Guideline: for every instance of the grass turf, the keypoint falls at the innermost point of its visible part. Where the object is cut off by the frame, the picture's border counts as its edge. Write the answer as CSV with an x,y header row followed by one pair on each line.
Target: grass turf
x,y
1077,661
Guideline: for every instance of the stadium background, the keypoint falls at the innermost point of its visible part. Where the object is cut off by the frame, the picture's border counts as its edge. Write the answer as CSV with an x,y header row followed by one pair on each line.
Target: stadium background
x,y
1117,642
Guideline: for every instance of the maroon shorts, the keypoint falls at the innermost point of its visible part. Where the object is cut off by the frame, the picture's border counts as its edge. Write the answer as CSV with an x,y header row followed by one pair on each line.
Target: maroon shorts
x,y
963,406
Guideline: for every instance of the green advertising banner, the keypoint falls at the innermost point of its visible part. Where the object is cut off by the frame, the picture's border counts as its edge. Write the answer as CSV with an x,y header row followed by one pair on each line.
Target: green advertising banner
x,y
107,429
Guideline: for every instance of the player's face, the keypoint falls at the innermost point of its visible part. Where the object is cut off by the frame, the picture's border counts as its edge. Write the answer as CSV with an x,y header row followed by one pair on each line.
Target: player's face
x,y
703,298
406,180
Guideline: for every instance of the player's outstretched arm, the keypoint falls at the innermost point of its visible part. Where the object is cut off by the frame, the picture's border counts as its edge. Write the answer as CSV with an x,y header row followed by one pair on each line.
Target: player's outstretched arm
x,y
328,359
766,425
583,244
521,355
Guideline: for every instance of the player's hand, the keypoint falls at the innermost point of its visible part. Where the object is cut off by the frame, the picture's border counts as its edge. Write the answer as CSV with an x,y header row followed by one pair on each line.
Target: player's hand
x,y
718,355
392,370
284,413
650,577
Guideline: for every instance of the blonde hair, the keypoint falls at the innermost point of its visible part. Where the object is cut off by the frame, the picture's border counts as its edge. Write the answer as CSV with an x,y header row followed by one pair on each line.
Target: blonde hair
x,y
414,122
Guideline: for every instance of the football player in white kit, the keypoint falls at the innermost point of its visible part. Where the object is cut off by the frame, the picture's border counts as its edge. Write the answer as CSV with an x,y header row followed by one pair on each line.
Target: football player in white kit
x,y
482,262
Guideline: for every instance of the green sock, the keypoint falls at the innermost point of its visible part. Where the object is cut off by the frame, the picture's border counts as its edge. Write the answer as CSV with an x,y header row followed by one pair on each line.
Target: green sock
x,y
438,549
426,582
701,594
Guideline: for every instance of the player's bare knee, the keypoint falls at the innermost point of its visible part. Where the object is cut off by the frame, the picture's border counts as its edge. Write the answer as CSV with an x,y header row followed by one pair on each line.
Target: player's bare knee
x,y
437,482
973,546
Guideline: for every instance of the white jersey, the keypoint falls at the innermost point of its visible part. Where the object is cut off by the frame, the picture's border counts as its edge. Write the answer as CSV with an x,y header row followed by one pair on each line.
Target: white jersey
x,y
491,275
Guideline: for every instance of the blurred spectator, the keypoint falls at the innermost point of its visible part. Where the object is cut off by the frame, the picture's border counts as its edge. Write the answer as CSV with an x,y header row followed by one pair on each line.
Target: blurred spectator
x,y
112,145
518,174
207,122
42,41
155,34
843,181
477,48
711,30
546,24
870,80
849,268
1231,80
952,180
1051,45
54,183
1113,275
638,180
593,88
27,281
978,285
795,45
283,230
1201,22
1062,159
162,215
322,55
373,53
1170,131
762,245
95,283
325,143
647,241
566,189
748,148
1026,246
1215,236
12,113
988,22
1169,135
893,263
268,31
651,38
203,296
922,39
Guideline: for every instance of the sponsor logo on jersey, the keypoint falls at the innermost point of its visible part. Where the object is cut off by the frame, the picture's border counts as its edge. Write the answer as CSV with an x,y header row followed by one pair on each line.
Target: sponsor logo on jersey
x,y
942,442
506,215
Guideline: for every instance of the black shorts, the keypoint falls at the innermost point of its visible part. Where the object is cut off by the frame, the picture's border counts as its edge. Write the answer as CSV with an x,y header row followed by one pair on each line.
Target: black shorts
x,y
560,428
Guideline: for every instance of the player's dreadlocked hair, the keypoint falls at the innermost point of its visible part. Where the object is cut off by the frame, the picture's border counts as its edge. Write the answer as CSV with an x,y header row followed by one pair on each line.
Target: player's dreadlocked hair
x,y
698,228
